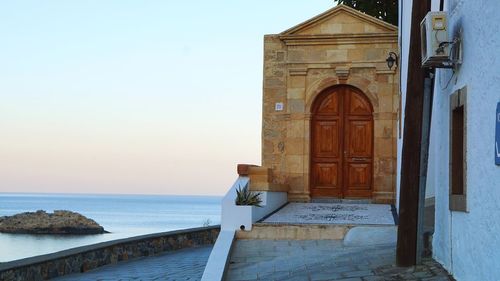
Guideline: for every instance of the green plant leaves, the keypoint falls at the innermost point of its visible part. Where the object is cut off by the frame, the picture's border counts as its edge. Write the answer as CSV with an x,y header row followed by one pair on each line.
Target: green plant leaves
x,y
245,197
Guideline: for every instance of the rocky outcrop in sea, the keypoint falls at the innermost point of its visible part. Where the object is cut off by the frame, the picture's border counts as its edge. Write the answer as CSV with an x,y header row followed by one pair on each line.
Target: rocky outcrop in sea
x,y
41,222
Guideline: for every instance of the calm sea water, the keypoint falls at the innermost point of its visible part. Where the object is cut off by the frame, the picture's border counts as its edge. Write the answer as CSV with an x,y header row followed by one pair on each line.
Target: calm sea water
x,y
122,215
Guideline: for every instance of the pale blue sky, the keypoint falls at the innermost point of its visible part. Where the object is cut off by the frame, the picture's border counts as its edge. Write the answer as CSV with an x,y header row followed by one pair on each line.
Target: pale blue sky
x,y
159,97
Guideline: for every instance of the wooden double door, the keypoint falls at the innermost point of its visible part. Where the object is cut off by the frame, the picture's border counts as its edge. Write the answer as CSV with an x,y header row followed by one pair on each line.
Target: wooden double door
x,y
341,144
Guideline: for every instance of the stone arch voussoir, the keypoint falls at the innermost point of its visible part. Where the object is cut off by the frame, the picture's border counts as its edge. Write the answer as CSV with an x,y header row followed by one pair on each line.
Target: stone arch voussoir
x,y
361,83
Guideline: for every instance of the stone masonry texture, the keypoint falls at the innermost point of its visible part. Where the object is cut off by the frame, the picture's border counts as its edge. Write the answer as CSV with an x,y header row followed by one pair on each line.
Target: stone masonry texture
x,y
184,264
341,46
86,258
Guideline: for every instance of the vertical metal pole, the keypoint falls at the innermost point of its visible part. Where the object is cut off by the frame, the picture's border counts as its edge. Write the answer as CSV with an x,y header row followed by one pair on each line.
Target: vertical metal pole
x,y
424,160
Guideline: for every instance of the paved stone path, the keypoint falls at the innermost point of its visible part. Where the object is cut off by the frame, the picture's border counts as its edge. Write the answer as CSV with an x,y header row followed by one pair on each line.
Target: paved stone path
x,y
311,260
186,264
333,213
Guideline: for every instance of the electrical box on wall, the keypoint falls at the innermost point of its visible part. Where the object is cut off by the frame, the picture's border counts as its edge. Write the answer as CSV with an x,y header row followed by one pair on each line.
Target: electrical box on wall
x,y
434,38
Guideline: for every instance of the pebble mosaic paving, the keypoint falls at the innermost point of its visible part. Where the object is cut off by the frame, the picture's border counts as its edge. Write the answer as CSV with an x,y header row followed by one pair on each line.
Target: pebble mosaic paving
x,y
329,213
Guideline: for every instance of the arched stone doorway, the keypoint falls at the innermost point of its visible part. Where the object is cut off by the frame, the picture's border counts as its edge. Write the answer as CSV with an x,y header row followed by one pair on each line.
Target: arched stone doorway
x,y
342,137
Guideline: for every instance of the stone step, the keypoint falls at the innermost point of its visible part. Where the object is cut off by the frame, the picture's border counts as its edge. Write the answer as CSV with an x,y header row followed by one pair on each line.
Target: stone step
x,y
271,231
351,234
344,201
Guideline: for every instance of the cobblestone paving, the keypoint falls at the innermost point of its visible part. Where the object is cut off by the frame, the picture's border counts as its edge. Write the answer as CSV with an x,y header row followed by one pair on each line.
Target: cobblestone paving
x,y
312,260
186,264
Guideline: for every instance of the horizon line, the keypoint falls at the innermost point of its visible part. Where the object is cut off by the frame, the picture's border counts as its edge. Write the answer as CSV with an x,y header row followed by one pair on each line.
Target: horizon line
x,y
105,194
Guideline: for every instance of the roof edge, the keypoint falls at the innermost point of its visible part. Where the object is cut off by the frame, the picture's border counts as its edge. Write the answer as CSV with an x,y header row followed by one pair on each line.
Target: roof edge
x,y
335,10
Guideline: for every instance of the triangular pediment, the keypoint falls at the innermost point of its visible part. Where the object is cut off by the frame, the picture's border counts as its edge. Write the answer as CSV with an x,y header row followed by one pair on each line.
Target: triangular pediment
x,y
341,20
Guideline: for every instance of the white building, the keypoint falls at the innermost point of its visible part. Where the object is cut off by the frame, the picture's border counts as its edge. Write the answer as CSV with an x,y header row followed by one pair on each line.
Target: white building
x,y
467,217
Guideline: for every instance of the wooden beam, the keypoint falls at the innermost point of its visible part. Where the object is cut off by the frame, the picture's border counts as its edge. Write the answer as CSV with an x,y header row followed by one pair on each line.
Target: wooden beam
x,y
406,251
424,160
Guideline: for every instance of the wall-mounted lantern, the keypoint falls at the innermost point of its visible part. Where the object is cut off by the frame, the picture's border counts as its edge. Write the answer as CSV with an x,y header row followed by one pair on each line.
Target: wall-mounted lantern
x,y
391,60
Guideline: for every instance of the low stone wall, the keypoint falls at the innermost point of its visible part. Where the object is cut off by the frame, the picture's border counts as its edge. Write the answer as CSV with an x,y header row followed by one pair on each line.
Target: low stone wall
x,y
85,258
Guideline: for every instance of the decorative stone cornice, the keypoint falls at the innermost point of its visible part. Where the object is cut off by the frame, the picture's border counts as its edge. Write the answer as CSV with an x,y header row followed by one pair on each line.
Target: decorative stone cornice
x,y
339,39
298,72
281,116
386,71
334,64
299,116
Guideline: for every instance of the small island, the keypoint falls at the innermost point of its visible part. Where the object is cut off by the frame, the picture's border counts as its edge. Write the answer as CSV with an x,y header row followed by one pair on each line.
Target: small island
x,y
41,222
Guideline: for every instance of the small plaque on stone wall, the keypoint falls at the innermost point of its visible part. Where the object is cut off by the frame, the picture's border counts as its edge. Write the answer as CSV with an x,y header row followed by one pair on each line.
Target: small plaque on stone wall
x,y
278,106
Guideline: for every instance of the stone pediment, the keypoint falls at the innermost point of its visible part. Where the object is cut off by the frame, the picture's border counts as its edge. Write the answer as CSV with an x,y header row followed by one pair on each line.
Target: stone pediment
x,y
341,20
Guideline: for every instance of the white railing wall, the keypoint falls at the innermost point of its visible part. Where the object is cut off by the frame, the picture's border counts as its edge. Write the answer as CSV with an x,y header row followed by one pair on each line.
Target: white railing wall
x,y
242,217
237,218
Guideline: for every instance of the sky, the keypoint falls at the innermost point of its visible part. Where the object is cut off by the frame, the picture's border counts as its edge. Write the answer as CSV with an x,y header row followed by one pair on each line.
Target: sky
x,y
134,97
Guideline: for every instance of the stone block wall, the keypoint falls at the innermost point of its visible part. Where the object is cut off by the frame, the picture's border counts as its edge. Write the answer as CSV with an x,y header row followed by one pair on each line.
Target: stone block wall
x,y
341,46
85,258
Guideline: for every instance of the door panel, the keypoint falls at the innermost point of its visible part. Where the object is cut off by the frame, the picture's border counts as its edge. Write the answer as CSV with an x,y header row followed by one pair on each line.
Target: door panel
x,y
341,144
327,134
329,105
327,158
359,138
358,176
327,180
358,104
326,175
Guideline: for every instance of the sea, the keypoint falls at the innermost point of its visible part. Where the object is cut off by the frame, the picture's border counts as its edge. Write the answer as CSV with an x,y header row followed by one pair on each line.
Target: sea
x,y
122,215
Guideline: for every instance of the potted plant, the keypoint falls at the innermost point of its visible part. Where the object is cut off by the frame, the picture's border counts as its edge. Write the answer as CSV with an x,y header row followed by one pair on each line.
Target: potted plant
x,y
241,213
240,205
245,197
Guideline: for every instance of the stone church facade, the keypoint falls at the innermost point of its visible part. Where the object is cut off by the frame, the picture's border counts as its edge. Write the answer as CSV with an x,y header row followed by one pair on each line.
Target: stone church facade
x,y
330,108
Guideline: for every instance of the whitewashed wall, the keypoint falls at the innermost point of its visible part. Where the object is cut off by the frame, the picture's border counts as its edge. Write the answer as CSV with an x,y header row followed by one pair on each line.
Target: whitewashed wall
x,y
404,42
468,244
